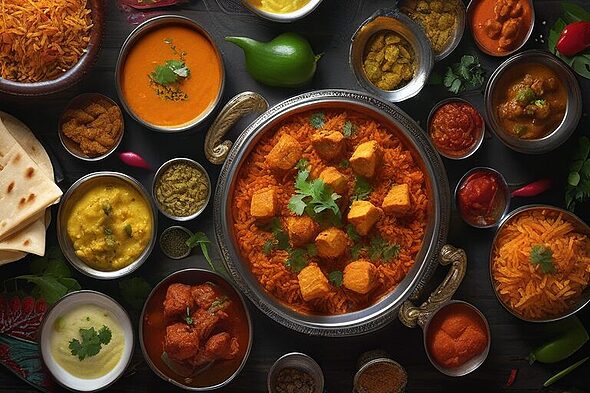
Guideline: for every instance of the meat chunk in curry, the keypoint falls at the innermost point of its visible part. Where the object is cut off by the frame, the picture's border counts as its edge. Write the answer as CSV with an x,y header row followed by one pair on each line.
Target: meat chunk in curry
x,y
397,199
366,158
331,243
335,179
178,299
181,341
285,154
363,215
313,283
264,205
360,276
301,230
328,144
533,105
198,335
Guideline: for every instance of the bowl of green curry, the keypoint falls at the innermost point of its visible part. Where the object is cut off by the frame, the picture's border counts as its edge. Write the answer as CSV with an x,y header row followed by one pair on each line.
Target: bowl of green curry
x,y
106,225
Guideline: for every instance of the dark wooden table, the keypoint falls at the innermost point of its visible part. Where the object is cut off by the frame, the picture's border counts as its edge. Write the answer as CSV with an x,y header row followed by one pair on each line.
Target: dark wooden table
x,y
329,30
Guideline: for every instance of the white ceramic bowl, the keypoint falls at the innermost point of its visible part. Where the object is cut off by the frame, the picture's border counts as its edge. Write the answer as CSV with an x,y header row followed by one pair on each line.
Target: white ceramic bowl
x,y
66,304
287,17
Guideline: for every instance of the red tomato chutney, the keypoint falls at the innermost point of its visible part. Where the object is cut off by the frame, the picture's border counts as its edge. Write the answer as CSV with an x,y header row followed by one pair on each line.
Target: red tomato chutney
x,y
456,334
455,128
481,198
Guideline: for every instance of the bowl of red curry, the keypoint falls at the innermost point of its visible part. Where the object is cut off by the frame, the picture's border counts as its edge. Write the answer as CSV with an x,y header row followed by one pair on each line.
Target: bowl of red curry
x,y
455,128
195,330
482,197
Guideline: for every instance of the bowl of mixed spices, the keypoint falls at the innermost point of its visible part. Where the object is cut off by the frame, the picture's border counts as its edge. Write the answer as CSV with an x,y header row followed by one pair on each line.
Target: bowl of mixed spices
x,y
378,373
91,127
456,128
295,373
181,189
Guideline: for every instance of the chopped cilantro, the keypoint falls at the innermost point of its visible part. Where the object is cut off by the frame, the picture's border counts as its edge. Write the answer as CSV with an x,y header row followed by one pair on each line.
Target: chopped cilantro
x,y
468,73
297,260
218,304
302,165
92,342
542,256
317,120
380,249
348,129
280,239
170,72
336,278
362,189
314,194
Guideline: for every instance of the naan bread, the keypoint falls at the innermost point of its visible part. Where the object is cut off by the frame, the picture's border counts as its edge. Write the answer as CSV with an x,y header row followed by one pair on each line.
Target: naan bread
x,y
30,239
25,191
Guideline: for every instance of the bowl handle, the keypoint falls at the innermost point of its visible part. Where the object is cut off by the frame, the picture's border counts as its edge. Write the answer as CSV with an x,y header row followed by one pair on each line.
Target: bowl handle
x,y
411,315
216,149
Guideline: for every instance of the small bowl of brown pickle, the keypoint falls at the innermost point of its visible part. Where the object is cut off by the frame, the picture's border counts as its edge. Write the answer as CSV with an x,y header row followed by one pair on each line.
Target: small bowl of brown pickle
x,y
391,56
181,189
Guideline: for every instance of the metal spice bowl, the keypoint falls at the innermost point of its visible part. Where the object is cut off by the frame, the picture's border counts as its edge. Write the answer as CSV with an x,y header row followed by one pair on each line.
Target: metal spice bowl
x,y
299,361
168,231
376,357
159,173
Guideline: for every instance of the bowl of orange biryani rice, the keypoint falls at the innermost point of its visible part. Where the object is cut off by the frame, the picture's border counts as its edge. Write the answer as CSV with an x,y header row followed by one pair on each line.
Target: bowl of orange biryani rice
x,y
331,210
540,263
47,45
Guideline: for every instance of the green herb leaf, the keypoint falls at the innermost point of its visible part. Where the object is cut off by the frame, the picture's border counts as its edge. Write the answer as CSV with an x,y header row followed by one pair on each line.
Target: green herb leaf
x,y
336,277
281,238
542,256
467,73
362,189
576,12
344,164
317,119
380,249
578,182
187,317
456,87
302,165
48,287
128,230
267,247
573,179
355,251
311,250
348,129
170,72
200,239
92,342
352,233
314,194
218,304
297,260
135,291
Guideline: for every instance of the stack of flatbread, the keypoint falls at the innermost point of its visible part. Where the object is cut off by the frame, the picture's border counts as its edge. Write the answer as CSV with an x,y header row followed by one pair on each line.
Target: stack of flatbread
x,y
27,190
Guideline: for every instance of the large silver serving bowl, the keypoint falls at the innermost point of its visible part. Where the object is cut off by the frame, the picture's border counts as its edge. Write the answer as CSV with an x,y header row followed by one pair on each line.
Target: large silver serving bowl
x,y
386,309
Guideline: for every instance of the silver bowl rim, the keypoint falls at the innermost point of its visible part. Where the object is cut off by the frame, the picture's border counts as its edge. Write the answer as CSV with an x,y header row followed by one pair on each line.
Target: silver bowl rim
x,y
375,361
169,229
570,119
165,166
569,216
383,311
457,36
239,295
469,11
62,137
65,243
458,371
425,61
286,17
505,188
303,359
479,140
128,44
117,304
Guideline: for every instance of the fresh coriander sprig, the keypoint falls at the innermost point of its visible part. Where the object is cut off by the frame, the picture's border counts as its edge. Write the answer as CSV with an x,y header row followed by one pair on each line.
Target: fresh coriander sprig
x,y
172,71
466,74
542,256
92,342
313,194
201,240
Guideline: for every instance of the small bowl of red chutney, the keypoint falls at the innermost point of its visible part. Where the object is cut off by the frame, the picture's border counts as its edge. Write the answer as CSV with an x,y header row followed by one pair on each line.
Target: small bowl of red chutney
x,y
456,128
482,197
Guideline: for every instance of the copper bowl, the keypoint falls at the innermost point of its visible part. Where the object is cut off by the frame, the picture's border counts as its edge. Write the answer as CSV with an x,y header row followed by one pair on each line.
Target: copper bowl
x,y
74,74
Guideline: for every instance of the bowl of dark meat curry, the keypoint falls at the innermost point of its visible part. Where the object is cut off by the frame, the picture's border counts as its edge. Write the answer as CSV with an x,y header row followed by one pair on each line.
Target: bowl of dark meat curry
x,y
195,330
533,102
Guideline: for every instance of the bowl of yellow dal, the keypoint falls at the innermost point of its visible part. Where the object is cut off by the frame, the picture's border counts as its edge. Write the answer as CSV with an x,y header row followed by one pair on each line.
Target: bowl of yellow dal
x,y
66,336
106,225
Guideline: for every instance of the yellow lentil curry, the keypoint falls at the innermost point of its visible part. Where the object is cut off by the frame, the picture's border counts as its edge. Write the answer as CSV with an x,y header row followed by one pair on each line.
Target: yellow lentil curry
x,y
438,18
389,61
110,225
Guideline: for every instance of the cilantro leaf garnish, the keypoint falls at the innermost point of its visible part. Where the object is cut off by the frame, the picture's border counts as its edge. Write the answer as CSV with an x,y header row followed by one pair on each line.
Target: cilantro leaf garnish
x,y
463,75
344,164
336,277
317,119
201,240
297,260
280,239
92,342
187,317
348,129
380,249
170,72
218,304
577,189
542,256
302,165
314,194
362,189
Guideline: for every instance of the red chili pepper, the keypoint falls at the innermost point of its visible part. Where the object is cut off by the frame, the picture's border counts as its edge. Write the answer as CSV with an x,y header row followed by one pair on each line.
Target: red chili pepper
x,y
134,159
574,38
533,189
512,377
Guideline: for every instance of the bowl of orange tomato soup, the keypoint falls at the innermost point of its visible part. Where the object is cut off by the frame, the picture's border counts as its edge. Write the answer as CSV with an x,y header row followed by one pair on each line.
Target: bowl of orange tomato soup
x,y
170,74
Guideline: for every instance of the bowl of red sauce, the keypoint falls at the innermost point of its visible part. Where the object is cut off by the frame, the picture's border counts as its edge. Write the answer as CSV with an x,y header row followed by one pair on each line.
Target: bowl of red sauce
x,y
456,128
482,197
457,338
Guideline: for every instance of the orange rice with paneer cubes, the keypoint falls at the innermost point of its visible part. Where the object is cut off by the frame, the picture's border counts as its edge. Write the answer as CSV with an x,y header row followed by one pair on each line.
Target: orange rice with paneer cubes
x,y
305,184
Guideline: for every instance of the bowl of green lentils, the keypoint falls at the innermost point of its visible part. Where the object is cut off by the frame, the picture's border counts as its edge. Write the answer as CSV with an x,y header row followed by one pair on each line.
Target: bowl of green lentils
x,y
181,189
